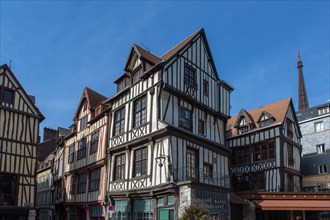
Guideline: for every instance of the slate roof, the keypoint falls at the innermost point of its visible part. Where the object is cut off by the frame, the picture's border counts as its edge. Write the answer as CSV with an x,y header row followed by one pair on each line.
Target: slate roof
x,y
147,55
94,99
181,45
277,109
309,113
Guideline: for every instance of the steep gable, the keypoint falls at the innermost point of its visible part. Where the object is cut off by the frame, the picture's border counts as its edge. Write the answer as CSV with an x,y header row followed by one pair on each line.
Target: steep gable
x,y
21,101
90,98
190,45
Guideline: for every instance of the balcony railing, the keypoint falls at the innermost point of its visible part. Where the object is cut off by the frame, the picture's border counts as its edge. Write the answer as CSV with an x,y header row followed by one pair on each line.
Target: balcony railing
x,y
200,175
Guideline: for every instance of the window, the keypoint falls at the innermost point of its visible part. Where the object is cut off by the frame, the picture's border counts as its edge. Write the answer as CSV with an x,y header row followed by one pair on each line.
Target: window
x,y
323,169
264,151
73,185
136,76
140,163
82,183
8,190
94,142
289,127
265,121
8,96
185,120
201,127
290,183
83,123
143,209
318,126
323,110
120,167
82,149
243,126
205,87
121,85
258,181
71,154
241,156
119,121
290,155
208,170
191,163
121,211
94,179
320,149
140,110
189,76
241,183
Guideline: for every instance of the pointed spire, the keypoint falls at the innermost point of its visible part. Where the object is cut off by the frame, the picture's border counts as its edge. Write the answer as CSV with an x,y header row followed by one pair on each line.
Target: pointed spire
x,y
302,93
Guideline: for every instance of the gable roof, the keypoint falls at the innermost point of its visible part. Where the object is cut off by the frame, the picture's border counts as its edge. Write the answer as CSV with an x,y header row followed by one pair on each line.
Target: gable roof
x,y
28,97
169,54
245,114
179,47
142,54
93,99
277,109
147,55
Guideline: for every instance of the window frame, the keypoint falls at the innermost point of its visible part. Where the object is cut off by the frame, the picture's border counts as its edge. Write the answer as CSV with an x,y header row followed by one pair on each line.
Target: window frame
x,y
119,168
71,154
72,185
206,87
190,76
208,170
82,145
289,128
201,127
82,183
191,163
83,122
320,148
94,145
94,179
320,127
140,111
141,162
185,122
323,169
119,123
6,90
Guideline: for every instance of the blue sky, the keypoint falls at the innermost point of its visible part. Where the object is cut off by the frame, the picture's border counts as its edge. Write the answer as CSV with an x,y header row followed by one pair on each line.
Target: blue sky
x,y
59,47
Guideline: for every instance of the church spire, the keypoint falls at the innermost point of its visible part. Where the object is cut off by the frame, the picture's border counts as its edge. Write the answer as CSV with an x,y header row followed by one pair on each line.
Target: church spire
x,y
302,94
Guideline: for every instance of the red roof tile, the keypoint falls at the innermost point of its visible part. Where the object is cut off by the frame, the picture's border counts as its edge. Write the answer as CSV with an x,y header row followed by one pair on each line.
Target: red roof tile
x,y
277,109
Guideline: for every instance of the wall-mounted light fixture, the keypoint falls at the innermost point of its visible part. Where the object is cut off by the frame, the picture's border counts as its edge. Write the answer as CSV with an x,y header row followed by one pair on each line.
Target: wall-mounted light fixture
x,y
160,160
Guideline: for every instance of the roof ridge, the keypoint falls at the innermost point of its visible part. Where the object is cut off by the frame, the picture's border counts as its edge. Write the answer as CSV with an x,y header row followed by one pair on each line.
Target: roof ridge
x,y
180,45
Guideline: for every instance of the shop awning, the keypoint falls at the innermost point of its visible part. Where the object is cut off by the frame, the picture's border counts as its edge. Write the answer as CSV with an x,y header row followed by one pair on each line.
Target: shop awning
x,y
286,205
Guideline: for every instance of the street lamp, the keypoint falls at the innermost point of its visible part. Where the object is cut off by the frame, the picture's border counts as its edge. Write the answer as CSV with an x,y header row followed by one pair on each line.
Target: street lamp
x,y
160,160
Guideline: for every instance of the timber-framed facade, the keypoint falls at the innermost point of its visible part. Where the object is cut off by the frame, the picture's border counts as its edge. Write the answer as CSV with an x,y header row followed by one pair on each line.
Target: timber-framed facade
x,y
167,134
266,150
19,136
85,159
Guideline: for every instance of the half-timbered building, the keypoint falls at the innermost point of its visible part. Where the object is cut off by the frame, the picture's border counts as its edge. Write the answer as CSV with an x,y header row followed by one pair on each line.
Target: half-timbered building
x,y
58,183
85,159
167,143
266,150
266,156
19,132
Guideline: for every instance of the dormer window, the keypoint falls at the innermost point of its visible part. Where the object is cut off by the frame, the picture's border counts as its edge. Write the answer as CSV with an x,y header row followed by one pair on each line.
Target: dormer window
x,y
265,121
243,126
323,110
121,85
136,76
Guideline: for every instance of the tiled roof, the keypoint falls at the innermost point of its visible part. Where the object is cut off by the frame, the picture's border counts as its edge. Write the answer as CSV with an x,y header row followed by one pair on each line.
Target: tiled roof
x,y
45,149
94,98
181,45
147,55
277,109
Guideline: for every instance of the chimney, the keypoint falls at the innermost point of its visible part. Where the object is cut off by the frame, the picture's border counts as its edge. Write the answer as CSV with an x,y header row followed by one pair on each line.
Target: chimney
x,y
49,134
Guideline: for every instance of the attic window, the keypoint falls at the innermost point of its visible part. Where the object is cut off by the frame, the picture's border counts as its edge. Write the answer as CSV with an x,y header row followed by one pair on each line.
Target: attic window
x,y
121,85
136,75
265,121
7,95
243,126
